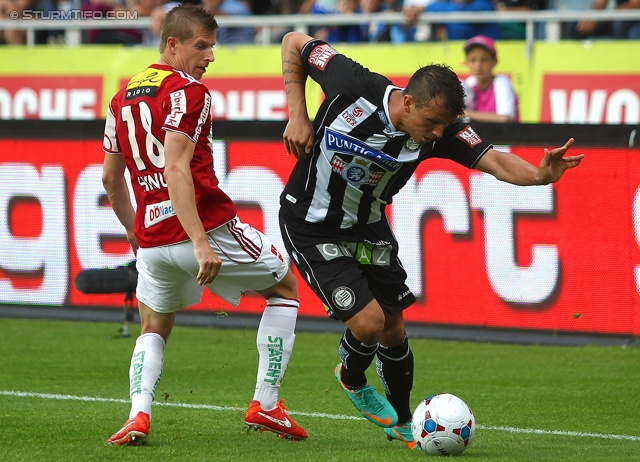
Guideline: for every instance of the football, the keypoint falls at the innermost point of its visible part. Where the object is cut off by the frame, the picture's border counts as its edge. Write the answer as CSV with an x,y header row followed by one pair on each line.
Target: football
x,y
443,425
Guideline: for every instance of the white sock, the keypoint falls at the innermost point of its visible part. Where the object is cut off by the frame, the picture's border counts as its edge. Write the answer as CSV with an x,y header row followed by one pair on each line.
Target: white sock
x,y
145,372
275,341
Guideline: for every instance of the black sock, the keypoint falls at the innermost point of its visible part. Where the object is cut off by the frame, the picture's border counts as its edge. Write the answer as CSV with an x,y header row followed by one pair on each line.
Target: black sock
x,y
356,358
395,367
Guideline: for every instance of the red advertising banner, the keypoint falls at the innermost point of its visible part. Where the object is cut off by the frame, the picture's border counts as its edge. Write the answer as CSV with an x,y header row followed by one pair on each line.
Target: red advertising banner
x,y
34,97
479,252
590,99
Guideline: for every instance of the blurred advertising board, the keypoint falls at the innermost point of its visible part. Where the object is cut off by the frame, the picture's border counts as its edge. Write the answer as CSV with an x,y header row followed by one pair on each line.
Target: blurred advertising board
x,y
561,257
563,82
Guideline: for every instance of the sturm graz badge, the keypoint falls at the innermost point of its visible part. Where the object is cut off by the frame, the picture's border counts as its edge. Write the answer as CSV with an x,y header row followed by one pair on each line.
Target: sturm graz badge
x,y
356,173
411,145
343,298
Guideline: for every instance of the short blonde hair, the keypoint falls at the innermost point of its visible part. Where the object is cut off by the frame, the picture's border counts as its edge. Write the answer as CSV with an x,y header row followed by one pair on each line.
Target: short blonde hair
x,y
184,21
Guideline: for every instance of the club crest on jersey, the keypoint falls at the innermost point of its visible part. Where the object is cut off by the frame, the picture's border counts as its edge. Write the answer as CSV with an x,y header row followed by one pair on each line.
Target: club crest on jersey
x,y
343,298
411,145
146,83
356,173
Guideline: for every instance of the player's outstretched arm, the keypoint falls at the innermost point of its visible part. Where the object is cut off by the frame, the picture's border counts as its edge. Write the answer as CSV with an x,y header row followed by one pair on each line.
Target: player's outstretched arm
x,y
513,169
298,134
555,163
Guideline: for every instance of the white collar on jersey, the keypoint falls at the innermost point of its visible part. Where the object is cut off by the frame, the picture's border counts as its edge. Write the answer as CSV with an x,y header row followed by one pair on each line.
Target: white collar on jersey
x,y
389,130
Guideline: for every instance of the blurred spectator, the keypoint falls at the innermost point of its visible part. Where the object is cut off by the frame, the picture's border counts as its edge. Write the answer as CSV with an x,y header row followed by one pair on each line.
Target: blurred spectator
x,y
285,7
516,30
261,6
462,31
408,32
224,36
231,35
373,31
381,31
317,7
616,29
489,97
47,7
308,6
278,7
151,37
343,33
13,37
117,36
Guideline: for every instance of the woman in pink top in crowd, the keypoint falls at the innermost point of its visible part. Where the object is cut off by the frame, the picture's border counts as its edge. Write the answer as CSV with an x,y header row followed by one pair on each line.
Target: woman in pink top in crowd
x,y
489,97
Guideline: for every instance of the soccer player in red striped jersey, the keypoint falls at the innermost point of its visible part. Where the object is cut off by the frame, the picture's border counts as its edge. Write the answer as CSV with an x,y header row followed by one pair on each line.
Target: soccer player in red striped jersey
x,y
185,231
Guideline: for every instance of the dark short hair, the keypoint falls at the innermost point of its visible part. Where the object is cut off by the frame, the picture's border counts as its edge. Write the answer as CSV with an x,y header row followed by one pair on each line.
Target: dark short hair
x,y
437,80
184,21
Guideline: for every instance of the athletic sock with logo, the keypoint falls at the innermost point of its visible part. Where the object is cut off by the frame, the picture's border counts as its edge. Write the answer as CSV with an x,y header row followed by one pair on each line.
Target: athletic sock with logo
x,y
394,365
145,372
275,339
356,358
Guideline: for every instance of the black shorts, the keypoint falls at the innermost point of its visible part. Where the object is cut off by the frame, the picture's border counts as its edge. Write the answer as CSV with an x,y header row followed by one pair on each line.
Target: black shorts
x,y
348,268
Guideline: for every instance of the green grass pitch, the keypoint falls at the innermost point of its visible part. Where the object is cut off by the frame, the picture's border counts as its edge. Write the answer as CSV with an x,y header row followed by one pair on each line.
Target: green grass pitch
x,y
64,390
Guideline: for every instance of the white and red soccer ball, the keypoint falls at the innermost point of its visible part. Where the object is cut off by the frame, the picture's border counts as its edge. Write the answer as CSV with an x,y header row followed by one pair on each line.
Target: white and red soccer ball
x,y
443,425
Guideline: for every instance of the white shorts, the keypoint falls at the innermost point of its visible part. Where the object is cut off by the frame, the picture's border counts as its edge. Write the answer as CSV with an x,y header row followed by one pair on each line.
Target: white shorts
x,y
167,274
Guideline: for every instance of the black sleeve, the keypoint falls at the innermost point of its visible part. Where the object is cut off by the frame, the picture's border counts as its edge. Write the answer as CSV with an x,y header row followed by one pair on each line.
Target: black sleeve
x,y
336,73
461,144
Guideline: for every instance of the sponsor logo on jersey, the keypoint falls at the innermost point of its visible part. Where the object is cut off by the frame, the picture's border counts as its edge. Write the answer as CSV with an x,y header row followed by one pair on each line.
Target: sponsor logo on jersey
x,y
468,136
349,118
343,298
156,213
365,253
146,83
403,295
276,253
205,115
338,142
178,108
352,116
291,199
321,55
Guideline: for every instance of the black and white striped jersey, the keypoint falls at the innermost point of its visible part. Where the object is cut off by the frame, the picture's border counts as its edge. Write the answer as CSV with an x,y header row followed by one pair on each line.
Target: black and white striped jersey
x,y
359,161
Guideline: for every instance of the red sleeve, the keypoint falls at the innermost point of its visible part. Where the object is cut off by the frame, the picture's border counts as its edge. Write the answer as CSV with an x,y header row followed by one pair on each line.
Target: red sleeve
x,y
188,110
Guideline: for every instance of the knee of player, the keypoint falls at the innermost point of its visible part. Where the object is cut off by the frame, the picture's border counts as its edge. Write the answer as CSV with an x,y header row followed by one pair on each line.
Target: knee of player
x,y
367,326
287,287
368,334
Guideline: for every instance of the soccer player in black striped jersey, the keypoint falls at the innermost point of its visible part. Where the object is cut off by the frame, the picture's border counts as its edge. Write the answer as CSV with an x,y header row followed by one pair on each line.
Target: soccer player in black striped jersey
x,y
365,142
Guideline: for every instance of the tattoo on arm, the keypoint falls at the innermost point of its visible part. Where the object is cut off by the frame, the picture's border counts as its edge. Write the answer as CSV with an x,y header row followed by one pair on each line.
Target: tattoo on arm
x,y
293,71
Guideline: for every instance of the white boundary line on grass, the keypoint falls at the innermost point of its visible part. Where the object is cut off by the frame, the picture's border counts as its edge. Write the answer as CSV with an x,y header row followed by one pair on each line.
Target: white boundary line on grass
x,y
24,394
210,407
